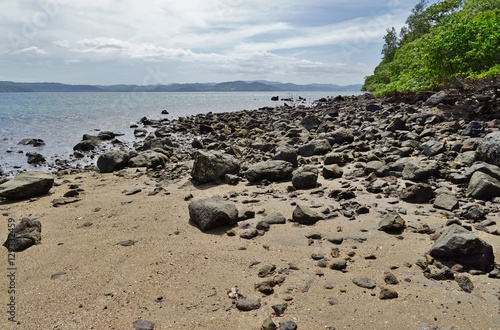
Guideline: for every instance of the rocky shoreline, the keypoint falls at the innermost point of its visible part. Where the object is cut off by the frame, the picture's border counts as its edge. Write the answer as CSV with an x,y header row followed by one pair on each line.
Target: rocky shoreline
x,y
349,173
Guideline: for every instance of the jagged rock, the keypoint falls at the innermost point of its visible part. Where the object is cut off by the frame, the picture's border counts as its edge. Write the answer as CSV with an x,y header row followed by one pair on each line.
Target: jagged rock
x,y
272,170
274,218
32,142
446,202
418,193
35,158
268,325
27,185
287,153
392,223
288,325
305,215
310,122
26,234
332,172
475,213
488,148
106,135
387,294
247,305
315,147
209,166
338,158
212,212
378,167
148,159
474,129
364,282
484,187
340,136
491,170
305,177
397,124
88,143
420,171
437,98
433,147
113,160
458,245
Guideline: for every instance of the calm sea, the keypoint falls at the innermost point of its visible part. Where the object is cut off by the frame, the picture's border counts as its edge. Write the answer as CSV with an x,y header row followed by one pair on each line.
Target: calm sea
x,y
61,119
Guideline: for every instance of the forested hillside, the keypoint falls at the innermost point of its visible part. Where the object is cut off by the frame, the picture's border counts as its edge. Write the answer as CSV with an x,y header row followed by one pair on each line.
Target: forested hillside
x,y
453,43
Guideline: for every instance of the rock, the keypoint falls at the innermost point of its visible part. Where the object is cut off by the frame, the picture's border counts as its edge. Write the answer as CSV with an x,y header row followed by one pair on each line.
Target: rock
x,y
458,245
387,294
491,170
392,223
212,212
475,213
338,158
433,147
274,218
305,215
340,136
35,158
26,234
246,305
149,159
420,171
464,283
287,153
288,325
268,325
417,193
315,147
310,122
143,325
209,166
272,170
106,135
484,187
88,143
266,270
339,264
332,172
474,129
390,278
436,98
488,149
32,142
397,124
377,167
305,177
113,160
27,185
446,202
279,309
364,282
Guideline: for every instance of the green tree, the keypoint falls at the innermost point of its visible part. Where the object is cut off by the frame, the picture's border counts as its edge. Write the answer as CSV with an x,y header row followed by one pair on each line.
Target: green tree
x,y
391,44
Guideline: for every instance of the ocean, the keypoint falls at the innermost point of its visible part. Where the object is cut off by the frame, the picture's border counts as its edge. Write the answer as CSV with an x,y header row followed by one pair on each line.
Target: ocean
x,y
61,119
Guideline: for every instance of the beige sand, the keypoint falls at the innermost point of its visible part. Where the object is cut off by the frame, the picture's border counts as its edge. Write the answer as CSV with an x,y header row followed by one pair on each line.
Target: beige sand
x,y
178,277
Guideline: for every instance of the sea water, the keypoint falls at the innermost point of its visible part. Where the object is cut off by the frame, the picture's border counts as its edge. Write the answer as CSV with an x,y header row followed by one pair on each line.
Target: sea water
x,y
61,119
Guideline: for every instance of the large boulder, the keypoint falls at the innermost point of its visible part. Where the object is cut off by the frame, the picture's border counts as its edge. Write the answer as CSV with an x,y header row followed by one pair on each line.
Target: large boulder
x,y
272,170
287,153
88,143
417,193
488,148
483,186
315,147
458,245
27,185
149,159
212,212
113,160
211,165
305,177
392,223
26,234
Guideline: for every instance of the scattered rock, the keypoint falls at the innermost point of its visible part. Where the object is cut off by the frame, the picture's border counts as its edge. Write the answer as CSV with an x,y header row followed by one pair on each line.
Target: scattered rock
x,y
209,166
113,160
26,234
418,193
464,283
246,305
484,187
446,202
212,212
305,177
143,325
288,325
273,170
392,223
364,282
27,185
305,215
387,294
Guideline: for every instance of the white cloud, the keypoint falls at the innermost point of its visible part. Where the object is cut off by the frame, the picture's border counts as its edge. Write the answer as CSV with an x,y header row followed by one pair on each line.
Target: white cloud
x,y
33,50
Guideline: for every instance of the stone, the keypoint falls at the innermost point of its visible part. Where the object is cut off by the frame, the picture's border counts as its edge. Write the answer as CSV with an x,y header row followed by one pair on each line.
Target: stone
x,y
143,325
340,136
420,171
464,283
27,185
390,278
437,98
149,159
269,325
279,309
310,122
484,187
491,170
387,294
209,166
272,170
274,218
338,158
287,153
474,129
288,325
417,193
488,149
377,167
315,147
446,202
475,213
212,212
113,160
305,215
339,264
305,177
246,305
26,234
88,143
32,142
433,147
35,158
392,223
364,282
458,245
332,172
266,270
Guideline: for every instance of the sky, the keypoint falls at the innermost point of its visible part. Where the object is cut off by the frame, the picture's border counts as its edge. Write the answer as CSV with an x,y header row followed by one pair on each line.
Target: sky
x,y
144,42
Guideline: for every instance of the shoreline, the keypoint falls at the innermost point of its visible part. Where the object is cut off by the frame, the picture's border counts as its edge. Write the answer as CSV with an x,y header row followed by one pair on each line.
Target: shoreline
x,y
172,274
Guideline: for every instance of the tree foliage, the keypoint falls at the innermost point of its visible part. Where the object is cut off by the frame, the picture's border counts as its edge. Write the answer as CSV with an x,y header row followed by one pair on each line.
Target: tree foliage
x,y
441,45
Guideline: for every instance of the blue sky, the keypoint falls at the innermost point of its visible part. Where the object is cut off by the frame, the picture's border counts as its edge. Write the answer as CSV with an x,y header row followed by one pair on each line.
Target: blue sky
x,y
165,41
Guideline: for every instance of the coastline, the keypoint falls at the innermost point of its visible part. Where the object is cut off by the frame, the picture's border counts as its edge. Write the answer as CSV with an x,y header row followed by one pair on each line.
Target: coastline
x,y
176,276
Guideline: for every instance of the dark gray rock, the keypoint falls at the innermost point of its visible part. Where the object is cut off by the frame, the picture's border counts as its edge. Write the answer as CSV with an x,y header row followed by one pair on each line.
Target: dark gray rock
x,y
212,212
27,185
287,153
315,147
274,218
364,282
433,147
475,213
491,170
488,149
392,223
332,171
305,215
417,193
387,294
88,143
484,187
288,325
272,170
420,171
269,325
305,177
32,142
474,129
26,234
339,158
464,283
246,305
35,158
148,159
209,166
113,160
143,325
310,122
458,245
378,167
340,136
437,98
446,202
340,264
106,135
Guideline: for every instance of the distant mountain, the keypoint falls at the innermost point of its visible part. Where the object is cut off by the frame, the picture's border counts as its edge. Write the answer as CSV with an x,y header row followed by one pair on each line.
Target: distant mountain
x,y
230,86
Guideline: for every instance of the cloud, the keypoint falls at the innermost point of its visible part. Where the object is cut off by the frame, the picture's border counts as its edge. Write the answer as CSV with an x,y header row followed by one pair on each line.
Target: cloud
x,y
33,50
